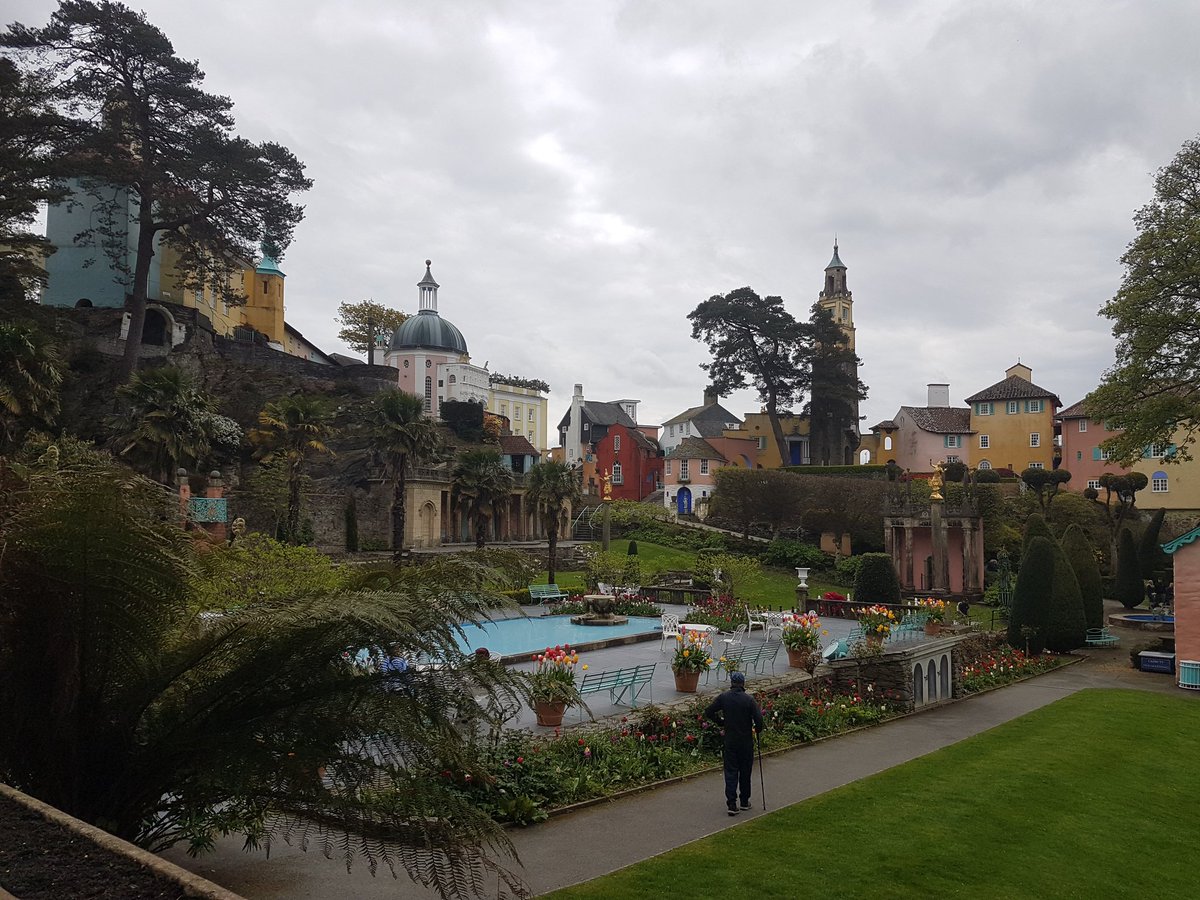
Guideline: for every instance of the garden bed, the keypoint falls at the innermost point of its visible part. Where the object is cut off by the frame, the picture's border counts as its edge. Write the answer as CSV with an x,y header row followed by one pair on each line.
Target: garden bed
x,y
42,857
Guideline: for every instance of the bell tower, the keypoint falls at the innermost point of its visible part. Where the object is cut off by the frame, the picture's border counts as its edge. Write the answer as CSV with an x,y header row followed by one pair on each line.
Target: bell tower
x,y
836,297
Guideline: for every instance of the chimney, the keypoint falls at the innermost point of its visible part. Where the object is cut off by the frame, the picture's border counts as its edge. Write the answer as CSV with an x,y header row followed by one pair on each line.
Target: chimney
x,y
578,391
939,395
711,396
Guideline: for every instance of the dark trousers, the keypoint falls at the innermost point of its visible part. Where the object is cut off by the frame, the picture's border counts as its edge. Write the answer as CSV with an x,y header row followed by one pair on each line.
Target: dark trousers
x,y
739,762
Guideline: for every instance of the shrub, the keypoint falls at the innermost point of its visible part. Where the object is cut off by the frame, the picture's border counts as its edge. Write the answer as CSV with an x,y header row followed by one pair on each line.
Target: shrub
x,y
1066,625
632,548
1031,597
1082,559
1129,590
789,554
876,580
1035,526
846,568
987,476
1151,558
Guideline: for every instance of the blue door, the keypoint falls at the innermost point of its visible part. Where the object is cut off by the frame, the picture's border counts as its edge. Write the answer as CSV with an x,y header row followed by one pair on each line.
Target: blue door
x,y
683,501
794,447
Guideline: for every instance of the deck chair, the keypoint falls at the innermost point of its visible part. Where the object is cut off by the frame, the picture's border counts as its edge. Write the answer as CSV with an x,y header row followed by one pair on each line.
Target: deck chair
x,y
670,629
737,640
754,620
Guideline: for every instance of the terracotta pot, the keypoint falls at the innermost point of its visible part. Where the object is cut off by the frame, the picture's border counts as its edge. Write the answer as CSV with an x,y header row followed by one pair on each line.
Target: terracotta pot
x,y
686,681
875,640
803,658
932,627
550,712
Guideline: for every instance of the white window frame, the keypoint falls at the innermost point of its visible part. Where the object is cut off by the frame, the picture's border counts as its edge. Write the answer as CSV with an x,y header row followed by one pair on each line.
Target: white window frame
x,y
984,464
953,441
1014,406
666,467
617,476
704,467
683,469
1105,454
616,443
1158,451
1094,483
1035,439
984,408
952,459
1159,485
985,442
1037,465
1082,425
1035,406
762,443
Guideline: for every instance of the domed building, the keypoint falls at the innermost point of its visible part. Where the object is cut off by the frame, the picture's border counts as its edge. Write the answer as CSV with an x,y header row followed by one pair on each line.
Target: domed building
x,y
431,356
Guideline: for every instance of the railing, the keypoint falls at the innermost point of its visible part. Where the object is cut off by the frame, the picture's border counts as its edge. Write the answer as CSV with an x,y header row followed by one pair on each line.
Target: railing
x,y
427,473
208,509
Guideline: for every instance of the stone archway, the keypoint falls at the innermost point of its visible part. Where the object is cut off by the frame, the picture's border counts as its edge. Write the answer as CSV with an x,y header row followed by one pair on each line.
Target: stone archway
x,y
683,501
156,329
428,518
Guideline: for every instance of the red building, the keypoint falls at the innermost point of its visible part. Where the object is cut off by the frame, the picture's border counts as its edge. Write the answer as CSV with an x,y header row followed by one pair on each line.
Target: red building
x,y
633,457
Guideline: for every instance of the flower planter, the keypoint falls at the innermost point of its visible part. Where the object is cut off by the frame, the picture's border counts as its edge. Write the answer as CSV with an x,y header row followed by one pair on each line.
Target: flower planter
x,y
686,681
932,627
550,712
803,658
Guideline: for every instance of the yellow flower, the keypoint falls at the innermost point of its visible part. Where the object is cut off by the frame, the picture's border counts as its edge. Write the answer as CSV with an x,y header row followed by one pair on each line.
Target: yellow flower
x,y
687,652
585,667
679,637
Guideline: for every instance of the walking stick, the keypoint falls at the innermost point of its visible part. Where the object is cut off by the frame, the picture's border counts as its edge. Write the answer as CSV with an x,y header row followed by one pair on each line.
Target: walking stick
x,y
762,787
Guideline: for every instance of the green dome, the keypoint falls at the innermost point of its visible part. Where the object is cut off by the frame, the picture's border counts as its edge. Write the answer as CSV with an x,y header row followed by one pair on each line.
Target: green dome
x,y
429,330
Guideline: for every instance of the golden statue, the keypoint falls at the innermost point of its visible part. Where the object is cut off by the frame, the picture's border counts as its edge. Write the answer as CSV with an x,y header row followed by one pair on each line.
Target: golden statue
x,y
606,485
935,483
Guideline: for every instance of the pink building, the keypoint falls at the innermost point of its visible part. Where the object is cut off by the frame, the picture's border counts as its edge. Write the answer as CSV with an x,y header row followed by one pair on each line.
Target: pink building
x,y
923,436
1185,553
1081,453
690,469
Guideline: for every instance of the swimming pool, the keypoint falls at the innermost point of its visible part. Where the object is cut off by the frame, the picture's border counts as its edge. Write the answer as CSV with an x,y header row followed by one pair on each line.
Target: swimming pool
x,y
517,637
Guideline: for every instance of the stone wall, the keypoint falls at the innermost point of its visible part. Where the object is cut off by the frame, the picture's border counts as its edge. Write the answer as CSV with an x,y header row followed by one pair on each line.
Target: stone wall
x,y
892,673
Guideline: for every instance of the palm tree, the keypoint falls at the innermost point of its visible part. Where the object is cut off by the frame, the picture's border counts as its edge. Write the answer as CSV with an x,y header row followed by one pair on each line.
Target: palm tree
x,y
29,378
402,436
481,486
551,485
125,708
165,427
294,429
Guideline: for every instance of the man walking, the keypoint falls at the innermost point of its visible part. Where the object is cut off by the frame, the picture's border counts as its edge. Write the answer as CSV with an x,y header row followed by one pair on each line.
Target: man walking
x,y
739,713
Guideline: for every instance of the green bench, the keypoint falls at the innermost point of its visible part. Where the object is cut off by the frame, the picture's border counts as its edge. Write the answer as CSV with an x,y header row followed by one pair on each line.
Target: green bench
x,y
749,658
544,593
620,683
1100,637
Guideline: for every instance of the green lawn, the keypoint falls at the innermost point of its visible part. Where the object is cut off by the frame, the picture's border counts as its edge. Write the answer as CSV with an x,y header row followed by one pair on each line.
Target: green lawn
x,y
1087,797
776,588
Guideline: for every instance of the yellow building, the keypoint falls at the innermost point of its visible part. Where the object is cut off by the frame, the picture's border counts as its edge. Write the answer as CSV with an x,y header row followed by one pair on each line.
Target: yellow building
x,y
1012,424
757,426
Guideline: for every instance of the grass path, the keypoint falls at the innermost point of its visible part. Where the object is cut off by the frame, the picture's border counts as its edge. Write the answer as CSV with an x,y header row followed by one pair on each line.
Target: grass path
x,y
1077,799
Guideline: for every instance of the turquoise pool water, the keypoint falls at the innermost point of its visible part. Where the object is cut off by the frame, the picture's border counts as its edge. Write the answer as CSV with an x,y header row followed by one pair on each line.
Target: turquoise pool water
x,y
515,636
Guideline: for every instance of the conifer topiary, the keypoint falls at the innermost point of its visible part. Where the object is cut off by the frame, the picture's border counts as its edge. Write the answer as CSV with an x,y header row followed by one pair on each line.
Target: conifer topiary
x,y
876,580
633,548
1129,589
1031,597
1082,557
1035,526
1066,624
1151,558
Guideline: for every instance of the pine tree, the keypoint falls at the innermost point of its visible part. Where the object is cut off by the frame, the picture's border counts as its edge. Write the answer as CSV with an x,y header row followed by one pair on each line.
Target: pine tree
x,y
1031,597
1130,590
1081,555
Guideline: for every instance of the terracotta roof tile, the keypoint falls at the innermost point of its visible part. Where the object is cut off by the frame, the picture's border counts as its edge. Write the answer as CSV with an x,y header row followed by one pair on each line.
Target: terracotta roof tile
x,y
940,419
1014,387
694,448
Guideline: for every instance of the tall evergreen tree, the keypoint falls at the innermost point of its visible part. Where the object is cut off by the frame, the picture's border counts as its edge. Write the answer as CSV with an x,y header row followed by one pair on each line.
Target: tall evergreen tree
x,y
755,342
1031,597
1064,623
1129,590
1151,557
1082,558
155,134
835,391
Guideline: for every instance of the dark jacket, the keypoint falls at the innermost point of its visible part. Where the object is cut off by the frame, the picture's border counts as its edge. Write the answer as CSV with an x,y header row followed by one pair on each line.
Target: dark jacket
x,y
739,713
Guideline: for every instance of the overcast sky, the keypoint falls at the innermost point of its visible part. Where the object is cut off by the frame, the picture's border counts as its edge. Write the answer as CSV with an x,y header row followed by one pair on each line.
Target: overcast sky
x,y
584,174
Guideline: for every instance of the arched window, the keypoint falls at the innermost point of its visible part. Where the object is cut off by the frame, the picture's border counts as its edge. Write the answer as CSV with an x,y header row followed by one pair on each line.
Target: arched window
x,y
984,464
944,676
428,393
83,303
918,685
453,379
931,682
887,442
864,457
1158,483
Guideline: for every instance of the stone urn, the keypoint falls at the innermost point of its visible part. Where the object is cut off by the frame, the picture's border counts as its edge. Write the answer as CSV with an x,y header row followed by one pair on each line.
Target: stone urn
x,y
601,604
550,712
686,680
